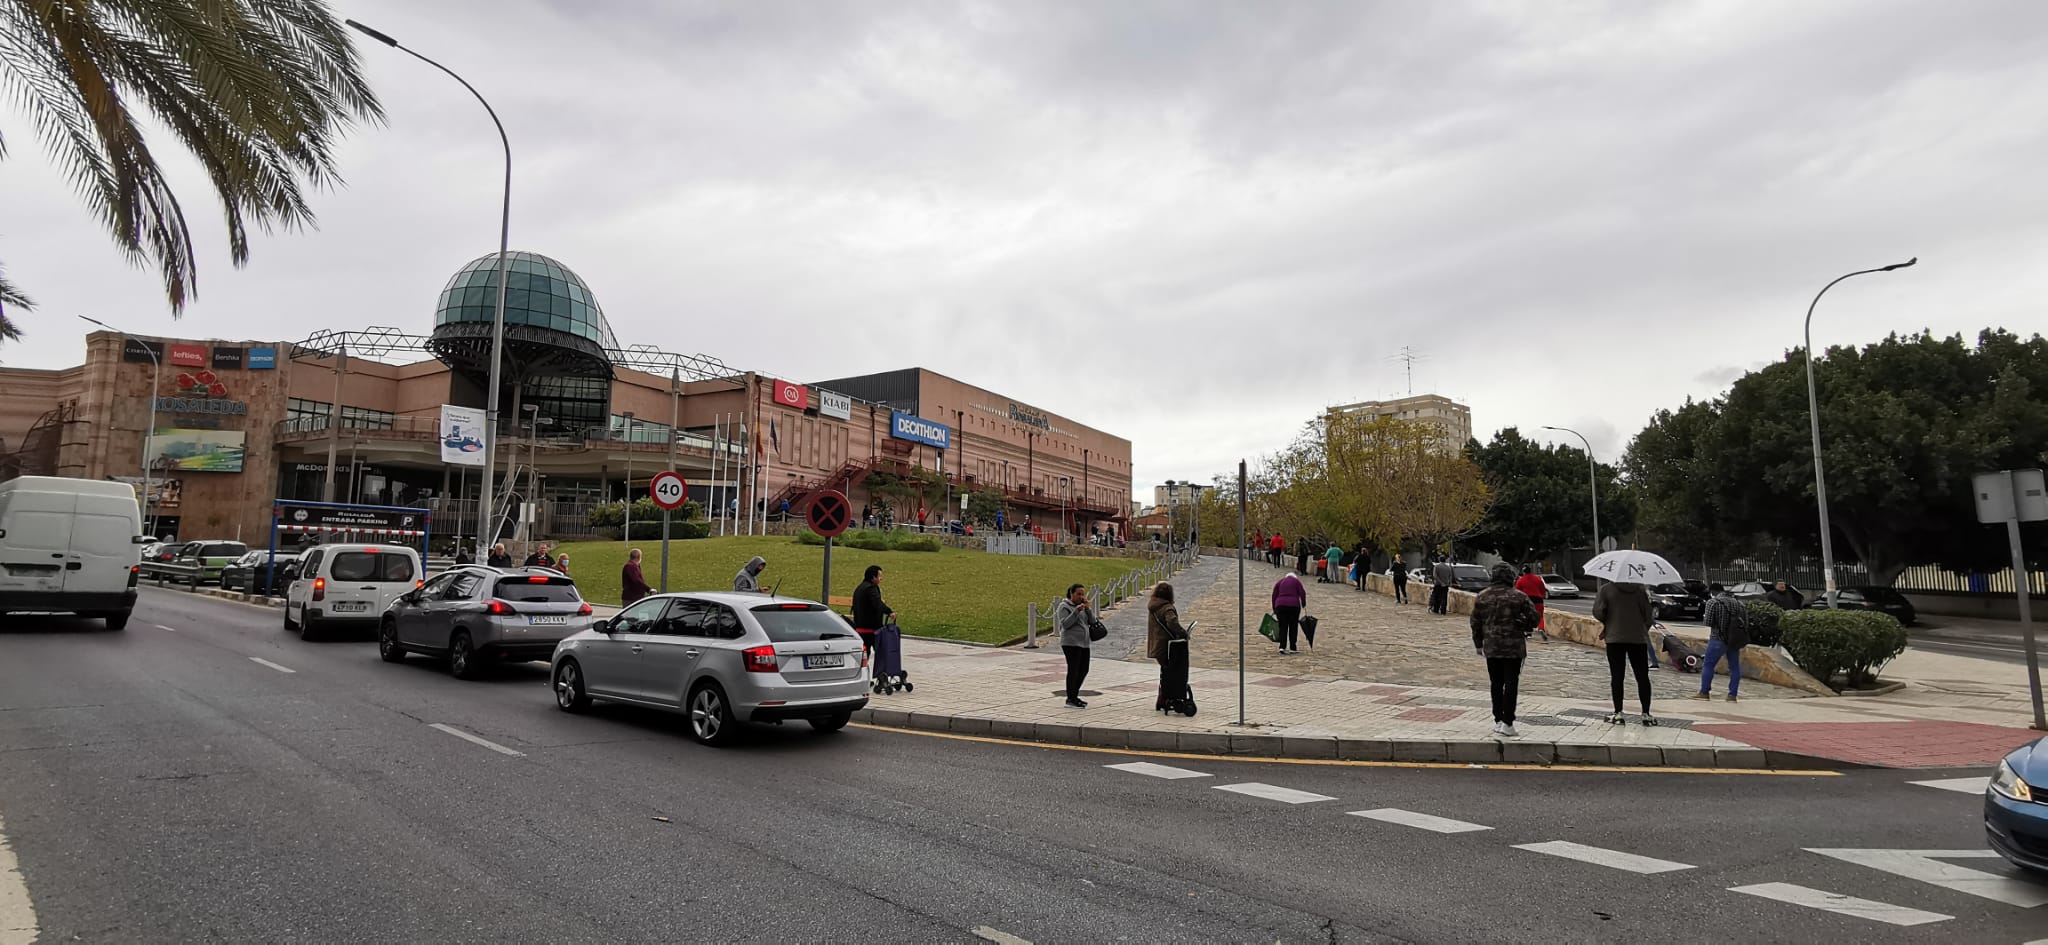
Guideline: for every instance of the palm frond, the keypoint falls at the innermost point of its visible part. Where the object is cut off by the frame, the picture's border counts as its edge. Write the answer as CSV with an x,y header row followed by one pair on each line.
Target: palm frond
x,y
11,299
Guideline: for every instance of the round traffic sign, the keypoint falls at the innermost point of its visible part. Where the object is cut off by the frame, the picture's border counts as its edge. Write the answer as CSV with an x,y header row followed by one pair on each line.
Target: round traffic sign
x,y
668,490
829,513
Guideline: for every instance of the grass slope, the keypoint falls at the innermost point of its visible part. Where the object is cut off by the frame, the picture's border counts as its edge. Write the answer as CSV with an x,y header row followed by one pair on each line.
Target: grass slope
x,y
960,595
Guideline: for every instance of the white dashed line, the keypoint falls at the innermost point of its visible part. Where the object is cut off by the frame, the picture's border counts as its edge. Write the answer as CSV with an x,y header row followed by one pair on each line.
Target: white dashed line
x,y
260,661
465,736
17,911
1958,785
162,627
1151,770
1598,856
1926,866
1841,905
998,936
1274,793
1409,818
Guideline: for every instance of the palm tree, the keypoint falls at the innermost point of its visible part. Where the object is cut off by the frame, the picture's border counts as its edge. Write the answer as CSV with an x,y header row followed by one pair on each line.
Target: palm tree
x,y
258,90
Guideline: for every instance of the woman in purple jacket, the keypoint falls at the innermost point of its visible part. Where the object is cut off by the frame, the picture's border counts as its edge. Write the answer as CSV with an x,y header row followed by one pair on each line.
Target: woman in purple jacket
x,y
1289,597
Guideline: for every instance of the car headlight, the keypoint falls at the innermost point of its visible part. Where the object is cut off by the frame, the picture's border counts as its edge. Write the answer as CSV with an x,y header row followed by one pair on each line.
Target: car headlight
x,y
2008,782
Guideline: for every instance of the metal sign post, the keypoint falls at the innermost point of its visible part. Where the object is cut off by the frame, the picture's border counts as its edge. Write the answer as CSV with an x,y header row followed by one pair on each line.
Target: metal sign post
x,y
828,513
668,490
1240,592
2014,496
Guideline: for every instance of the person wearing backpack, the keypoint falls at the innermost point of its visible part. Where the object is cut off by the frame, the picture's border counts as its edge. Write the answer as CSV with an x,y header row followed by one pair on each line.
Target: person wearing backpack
x,y
1728,632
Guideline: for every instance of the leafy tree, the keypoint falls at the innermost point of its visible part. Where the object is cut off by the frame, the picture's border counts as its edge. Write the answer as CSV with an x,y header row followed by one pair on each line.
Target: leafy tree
x,y
1378,481
258,91
1677,493
982,506
1541,502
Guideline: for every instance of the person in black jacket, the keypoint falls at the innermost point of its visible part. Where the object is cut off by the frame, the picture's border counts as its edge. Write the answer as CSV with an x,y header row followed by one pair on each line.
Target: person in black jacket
x,y
869,610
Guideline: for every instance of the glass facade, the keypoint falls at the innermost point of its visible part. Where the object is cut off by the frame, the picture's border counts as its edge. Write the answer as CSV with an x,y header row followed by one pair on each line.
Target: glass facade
x,y
571,405
642,432
539,292
302,415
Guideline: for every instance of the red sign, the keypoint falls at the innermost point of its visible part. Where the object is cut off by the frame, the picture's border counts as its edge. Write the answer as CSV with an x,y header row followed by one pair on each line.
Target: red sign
x,y
188,356
829,513
668,490
792,395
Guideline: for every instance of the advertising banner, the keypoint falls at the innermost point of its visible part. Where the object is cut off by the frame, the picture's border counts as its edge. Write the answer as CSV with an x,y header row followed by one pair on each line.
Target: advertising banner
x,y
792,395
141,351
916,429
188,356
462,435
834,404
358,518
227,359
263,359
200,450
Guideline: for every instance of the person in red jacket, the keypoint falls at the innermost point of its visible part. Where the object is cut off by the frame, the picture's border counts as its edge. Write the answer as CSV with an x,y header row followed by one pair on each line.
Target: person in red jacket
x,y
1276,549
1532,585
632,584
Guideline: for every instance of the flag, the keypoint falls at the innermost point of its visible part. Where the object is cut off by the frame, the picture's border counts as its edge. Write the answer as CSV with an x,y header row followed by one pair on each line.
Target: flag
x,y
772,441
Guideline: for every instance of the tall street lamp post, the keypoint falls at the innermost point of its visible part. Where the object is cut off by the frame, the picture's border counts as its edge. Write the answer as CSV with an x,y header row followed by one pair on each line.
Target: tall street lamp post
x,y
484,497
148,435
1820,479
1592,481
627,535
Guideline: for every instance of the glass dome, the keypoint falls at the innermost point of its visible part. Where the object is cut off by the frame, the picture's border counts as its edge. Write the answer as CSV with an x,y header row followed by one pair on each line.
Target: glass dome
x,y
539,293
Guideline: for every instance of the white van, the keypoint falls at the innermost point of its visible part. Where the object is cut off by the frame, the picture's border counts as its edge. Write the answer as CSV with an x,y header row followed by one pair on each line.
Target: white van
x,y
70,545
342,585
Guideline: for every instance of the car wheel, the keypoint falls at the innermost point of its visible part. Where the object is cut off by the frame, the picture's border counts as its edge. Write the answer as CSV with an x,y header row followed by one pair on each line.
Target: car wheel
x,y
570,695
117,620
833,722
462,659
289,626
387,642
309,629
711,719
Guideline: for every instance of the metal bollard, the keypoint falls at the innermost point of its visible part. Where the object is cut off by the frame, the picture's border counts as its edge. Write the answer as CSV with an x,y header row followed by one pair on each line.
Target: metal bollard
x,y
1031,626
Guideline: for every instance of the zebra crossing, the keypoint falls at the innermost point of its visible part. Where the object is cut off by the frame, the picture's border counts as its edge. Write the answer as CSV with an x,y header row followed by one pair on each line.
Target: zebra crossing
x,y
1932,867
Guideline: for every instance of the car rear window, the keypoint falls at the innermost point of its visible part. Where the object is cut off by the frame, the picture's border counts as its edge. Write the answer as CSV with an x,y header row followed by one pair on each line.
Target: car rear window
x,y
371,566
1471,572
519,590
232,549
799,623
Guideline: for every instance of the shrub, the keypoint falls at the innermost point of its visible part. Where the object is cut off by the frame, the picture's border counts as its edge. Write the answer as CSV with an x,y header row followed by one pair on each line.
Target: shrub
x,y
1763,622
875,539
1854,644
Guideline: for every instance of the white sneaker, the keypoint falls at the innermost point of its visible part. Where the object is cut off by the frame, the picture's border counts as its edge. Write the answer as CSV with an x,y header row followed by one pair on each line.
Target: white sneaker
x,y
1497,729
1507,730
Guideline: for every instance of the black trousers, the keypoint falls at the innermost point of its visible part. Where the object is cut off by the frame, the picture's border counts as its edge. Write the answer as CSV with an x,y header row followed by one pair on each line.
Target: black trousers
x,y
1505,673
1636,655
1400,592
1077,669
1439,599
1290,626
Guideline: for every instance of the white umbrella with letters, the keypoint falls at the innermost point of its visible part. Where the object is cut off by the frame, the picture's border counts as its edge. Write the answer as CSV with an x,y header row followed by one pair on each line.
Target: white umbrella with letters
x,y
1629,566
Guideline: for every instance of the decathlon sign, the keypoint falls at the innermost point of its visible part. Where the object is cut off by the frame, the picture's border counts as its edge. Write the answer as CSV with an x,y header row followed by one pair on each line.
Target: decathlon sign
x,y
916,429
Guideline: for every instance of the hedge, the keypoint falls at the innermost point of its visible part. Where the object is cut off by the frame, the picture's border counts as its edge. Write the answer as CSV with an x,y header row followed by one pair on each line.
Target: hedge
x,y
1854,644
875,539
1763,622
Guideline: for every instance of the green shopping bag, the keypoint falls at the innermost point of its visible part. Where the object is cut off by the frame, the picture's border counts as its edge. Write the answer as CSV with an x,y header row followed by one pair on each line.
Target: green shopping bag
x,y
1270,628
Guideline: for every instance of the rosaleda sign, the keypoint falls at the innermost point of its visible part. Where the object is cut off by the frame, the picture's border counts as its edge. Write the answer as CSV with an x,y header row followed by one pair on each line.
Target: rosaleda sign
x,y
916,429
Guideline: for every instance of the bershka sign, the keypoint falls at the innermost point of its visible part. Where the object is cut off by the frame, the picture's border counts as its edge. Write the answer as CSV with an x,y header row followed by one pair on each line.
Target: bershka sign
x,y
916,429
188,356
227,358
834,404
792,395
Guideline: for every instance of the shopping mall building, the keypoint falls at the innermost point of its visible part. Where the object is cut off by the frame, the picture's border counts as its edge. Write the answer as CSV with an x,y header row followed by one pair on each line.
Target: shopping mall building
x,y
356,416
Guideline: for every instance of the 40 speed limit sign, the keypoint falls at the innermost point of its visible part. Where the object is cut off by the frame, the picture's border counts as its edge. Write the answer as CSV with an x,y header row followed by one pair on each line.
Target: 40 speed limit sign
x,y
668,490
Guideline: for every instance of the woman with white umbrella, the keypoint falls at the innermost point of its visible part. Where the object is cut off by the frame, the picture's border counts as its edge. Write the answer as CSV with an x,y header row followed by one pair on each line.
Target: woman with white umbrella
x,y
1625,615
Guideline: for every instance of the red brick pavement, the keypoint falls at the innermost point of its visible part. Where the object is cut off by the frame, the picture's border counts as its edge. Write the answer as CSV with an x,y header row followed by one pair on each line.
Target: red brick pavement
x,y
1882,744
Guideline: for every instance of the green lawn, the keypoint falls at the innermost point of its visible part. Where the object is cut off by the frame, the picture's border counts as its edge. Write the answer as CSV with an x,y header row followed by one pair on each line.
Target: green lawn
x,y
961,595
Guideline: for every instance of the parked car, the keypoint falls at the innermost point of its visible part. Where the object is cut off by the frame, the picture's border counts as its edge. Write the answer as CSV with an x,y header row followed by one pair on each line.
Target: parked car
x,y
163,552
69,545
1698,588
246,572
1419,576
475,614
1560,587
1674,602
1470,577
1756,590
201,562
723,659
348,584
1869,597
2016,807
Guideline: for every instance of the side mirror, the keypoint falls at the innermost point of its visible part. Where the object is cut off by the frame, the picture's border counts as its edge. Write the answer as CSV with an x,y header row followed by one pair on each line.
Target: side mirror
x,y
602,626
137,540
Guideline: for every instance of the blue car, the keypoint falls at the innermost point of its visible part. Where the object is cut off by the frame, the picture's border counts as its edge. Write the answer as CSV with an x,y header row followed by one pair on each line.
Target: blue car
x,y
2016,807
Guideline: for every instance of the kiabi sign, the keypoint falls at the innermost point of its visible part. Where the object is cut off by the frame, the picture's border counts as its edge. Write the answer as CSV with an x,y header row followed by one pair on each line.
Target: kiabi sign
x,y
916,429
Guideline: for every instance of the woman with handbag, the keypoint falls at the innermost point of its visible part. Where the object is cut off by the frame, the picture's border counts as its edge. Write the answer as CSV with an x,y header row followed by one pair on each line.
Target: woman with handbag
x,y
1079,627
1289,597
1167,641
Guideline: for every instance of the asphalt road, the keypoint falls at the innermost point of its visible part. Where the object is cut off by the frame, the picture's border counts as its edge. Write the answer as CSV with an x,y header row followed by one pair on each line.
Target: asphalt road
x,y
1958,636
160,784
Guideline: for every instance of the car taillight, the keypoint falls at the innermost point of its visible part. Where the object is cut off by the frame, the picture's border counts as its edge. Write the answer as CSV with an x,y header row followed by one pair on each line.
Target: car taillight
x,y
134,571
584,611
537,579
319,588
760,659
416,585
498,608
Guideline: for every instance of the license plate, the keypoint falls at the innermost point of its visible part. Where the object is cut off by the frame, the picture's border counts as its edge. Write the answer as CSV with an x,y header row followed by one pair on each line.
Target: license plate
x,y
351,606
828,661
546,621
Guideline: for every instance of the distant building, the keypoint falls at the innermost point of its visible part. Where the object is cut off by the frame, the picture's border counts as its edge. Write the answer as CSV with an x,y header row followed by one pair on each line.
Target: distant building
x,y
1453,419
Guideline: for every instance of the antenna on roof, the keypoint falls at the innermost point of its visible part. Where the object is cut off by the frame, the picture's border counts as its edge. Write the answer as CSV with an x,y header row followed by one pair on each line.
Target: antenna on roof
x,y
1408,356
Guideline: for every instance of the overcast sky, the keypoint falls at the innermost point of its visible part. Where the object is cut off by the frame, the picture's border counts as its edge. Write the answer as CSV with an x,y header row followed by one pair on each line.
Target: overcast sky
x,y
1189,224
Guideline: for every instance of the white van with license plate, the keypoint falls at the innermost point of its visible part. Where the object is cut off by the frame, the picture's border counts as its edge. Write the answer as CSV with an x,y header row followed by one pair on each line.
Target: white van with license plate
x,y
342,586
69,546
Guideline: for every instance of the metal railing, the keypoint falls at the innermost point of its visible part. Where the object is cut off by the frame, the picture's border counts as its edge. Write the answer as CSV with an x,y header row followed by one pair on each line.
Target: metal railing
x,y
1109,594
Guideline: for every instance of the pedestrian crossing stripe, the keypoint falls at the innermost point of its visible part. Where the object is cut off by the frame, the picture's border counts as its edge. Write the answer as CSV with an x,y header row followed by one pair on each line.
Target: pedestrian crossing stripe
x,y
1598,856
1151,770
1839,904
1273,792
1409,818
1926,866
1958,785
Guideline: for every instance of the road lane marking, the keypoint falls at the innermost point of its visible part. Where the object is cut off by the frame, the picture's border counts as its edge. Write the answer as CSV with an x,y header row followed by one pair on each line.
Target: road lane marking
x,y
1926,866
1958,785
162,627
17,911
1151,770
998,936
465,736
1273,792
264,662
1329,763
1598,856
1409,818
1839,904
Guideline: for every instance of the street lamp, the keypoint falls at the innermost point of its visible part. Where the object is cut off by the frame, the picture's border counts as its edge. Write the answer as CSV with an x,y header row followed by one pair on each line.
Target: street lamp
x,y
1592,481
484,497
1820,481
1065,484
1170,484
148,435
628,535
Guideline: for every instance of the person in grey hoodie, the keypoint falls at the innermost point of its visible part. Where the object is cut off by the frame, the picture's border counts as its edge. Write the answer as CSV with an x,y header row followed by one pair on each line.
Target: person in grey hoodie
x,y
1075,620
749,578
1624,613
